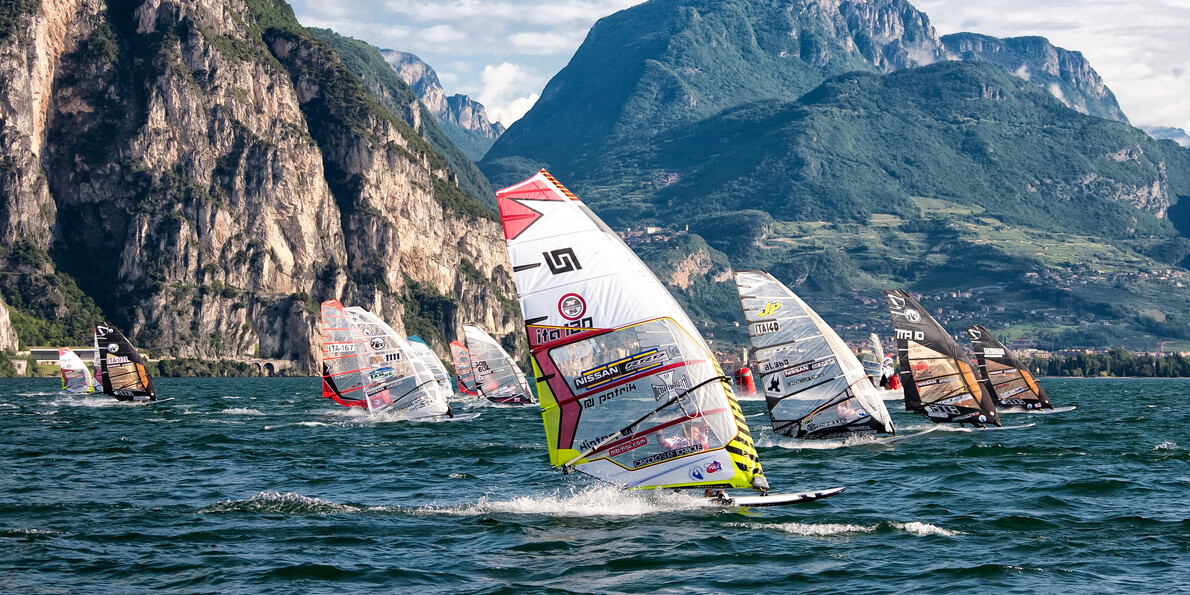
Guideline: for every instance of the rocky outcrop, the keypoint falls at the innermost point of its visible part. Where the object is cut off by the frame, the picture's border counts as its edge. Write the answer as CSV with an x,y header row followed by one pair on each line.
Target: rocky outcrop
x,y
213,171
1065,74
459,114
8,335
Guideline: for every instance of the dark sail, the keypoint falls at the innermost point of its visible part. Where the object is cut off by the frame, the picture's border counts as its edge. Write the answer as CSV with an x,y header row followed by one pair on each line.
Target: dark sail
x,y
939,383
124,373
1009,381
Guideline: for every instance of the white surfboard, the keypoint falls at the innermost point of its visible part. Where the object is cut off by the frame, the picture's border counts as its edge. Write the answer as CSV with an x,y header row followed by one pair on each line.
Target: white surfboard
x,y
900,437
774,499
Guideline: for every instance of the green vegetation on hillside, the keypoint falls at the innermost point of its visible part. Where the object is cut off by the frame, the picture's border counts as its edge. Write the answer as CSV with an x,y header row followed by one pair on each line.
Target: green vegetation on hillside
x,y
390,91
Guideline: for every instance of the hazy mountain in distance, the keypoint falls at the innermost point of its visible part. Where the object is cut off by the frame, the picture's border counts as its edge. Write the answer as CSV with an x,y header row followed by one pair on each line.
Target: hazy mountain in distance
x,y
464,119
1168,132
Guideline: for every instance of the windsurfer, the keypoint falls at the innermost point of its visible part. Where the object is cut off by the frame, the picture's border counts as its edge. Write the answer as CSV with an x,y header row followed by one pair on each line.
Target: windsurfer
x,y
690,435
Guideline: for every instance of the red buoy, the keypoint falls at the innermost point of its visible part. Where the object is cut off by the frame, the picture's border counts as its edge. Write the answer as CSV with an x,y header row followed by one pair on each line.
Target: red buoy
x,y
744,384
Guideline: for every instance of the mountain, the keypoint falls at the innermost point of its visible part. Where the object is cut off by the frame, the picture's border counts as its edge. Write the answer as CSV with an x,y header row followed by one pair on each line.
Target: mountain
x,y
203,174
1170,133
1065,74
948,177
667,63
366,62
464,119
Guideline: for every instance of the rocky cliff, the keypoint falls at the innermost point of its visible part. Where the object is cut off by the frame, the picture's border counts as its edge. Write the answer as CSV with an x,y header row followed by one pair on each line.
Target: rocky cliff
x,y
464,119
8,335
1065,74
208,171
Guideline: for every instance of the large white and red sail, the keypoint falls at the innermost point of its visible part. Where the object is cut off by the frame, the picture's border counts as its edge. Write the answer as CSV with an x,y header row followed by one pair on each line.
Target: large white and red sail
x,y
629,391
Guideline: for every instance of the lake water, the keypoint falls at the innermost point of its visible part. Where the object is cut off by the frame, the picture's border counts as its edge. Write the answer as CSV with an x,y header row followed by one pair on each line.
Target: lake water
x,y
260,486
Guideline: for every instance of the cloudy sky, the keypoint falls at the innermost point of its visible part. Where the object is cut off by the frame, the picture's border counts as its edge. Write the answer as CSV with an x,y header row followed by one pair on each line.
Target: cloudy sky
x,y
502,52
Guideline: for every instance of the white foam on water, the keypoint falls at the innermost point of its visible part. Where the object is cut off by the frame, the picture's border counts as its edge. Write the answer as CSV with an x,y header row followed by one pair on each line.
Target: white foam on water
x,y
917,528
241,411
809,529
597,501
308,424
1167,445
23,531
769,439
278,503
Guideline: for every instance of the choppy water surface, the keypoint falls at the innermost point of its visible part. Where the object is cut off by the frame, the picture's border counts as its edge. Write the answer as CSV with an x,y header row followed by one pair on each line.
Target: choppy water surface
x,y
259,486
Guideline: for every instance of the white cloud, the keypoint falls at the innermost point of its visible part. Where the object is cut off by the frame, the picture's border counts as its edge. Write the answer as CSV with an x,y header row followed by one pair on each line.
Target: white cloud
x,y
1140,48
504,92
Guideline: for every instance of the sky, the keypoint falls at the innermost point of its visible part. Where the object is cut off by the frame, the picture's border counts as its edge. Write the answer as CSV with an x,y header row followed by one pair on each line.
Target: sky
x,y
503,52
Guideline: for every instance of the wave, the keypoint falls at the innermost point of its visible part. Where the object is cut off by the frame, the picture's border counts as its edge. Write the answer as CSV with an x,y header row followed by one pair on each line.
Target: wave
x,y
832,529
278,503
241,411
596,501
1167,445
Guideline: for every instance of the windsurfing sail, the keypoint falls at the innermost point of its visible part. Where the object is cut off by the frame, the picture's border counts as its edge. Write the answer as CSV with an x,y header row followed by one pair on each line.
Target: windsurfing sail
x,y
629,391
813,383
938,380
1010,382
497,377
96,369
422,351
874,360
396,381
344,367
76,378
124,374
464,368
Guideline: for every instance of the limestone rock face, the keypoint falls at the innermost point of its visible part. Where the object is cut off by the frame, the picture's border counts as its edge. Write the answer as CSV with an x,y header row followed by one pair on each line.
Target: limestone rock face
x,y
459,114
8,335
1065,74
207,172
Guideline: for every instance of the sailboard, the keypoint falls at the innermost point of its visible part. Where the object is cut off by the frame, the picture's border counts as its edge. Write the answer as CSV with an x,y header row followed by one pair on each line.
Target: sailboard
x,y
76,378
390,378
814,385
423,352
939,382
1009,381
123,369
96,369
629,391
873,360
464,368
497,377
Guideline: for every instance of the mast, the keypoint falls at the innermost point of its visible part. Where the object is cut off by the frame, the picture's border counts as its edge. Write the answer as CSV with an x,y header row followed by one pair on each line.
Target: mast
x,y
629,391
1009,381
813,383
939,383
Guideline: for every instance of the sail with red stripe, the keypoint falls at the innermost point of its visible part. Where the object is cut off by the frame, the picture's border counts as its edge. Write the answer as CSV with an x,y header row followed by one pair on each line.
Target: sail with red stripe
x,y
76,378
344,369
629,391
464,368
